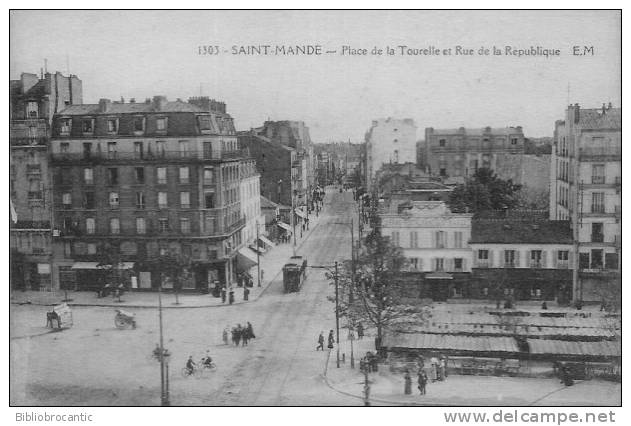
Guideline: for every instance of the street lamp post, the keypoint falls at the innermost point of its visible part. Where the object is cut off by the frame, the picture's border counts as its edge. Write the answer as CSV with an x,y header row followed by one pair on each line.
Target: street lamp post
x,y
164,385
258,256
337,317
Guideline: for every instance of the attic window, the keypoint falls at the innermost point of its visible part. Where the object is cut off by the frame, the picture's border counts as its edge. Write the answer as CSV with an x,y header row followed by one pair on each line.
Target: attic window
x,y
204,123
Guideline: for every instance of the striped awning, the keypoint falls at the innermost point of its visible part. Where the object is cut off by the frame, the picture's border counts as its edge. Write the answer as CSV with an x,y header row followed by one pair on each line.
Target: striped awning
x,y
266,241
300,213
95,265
284,226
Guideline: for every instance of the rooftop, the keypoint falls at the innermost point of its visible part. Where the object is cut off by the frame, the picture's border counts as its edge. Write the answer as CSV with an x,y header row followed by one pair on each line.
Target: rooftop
x,y
511,231
478,131
597,119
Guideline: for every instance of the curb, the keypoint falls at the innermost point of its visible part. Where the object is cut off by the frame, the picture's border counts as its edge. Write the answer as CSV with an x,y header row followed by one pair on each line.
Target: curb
x,y
122,305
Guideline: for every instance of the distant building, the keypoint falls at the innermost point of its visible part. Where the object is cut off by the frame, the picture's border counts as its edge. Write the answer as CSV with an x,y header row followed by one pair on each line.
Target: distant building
x,y
521,258
389,140
435,242
143,180
458,153
33,101
532,171
585,188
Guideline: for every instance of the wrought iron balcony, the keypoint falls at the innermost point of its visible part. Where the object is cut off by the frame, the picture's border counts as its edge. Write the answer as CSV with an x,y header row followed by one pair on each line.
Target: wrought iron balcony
x,y
159,156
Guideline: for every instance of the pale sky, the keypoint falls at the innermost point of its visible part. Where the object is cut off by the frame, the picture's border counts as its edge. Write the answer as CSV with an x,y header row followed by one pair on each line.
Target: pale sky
x,y
142,54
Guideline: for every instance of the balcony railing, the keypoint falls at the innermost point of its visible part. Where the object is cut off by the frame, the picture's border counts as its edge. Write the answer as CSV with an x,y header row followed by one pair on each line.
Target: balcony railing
x,y
598,179
612,151
149,156
598,238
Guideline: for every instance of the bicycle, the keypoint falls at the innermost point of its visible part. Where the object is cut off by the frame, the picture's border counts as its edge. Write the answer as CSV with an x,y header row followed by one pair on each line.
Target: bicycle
x,y
196,372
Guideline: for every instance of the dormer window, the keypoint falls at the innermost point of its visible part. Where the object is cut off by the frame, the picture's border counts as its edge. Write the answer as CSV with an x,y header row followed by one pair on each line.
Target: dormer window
x,y
161,124
65,125
87,125
32,110
139,124
204,122
112,125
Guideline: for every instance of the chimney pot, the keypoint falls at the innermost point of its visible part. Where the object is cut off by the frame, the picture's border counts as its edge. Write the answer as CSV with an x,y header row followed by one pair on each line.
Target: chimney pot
x,y
104,105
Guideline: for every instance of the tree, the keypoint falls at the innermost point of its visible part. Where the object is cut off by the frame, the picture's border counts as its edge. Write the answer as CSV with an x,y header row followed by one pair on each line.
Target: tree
x,y
111,261
377,290
484,191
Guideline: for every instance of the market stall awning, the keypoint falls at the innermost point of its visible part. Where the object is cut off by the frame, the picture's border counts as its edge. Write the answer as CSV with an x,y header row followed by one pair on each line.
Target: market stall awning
x,y
300,213
562,347
449,342
284,226
266,241
245,259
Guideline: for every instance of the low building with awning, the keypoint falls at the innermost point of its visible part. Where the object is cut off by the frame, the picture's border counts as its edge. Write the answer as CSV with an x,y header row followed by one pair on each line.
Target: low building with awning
x,y
301,214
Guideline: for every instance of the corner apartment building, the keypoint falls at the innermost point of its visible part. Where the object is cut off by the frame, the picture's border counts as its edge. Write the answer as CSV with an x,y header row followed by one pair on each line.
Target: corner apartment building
x,y
435,242
585,188
146,179
33,101
388,140
458,153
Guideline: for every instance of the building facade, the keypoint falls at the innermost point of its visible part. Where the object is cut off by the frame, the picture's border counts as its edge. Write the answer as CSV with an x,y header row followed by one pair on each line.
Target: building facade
x,y
33,101
144,180
458,153
521,259
388,140
435,242
585,188
250,195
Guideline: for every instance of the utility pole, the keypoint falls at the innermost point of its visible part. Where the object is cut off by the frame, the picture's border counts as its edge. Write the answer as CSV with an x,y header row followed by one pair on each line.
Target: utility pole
x,y
258,257
337,316
164,395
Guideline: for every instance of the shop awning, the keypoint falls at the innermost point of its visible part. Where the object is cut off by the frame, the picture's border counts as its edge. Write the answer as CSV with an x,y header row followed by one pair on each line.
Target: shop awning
x,y
284,226
245,259
95,265
266,241
562,347
256,248
85,265
449,342
300,213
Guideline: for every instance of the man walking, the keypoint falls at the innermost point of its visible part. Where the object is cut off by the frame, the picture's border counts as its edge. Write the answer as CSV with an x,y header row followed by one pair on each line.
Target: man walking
x,y
331,340
360,331
422,381
320,342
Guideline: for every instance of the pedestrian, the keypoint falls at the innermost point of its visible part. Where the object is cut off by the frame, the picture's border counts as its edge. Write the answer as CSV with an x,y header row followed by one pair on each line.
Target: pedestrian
x,y
360,331
320,341
238,334
231,297
442,368
224,335
331,340
246,293
408,383
433,372
544,306
250,331
262,275
245,337
223,295
234,336
422,382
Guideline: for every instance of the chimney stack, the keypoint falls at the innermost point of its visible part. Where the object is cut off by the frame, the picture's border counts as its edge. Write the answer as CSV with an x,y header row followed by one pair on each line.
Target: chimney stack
x,y
159,103
609,106
577,113
104,105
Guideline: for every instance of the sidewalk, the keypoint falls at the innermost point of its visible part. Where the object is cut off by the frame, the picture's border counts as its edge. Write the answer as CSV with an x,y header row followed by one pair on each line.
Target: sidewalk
x,y
272,263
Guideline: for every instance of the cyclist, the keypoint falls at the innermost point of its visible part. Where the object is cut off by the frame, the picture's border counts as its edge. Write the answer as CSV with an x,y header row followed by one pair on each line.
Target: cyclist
x,y
156,351
207,360
190,365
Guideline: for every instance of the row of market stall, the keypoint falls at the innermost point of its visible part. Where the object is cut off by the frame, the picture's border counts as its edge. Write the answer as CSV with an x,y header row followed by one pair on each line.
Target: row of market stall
x,y
484,343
